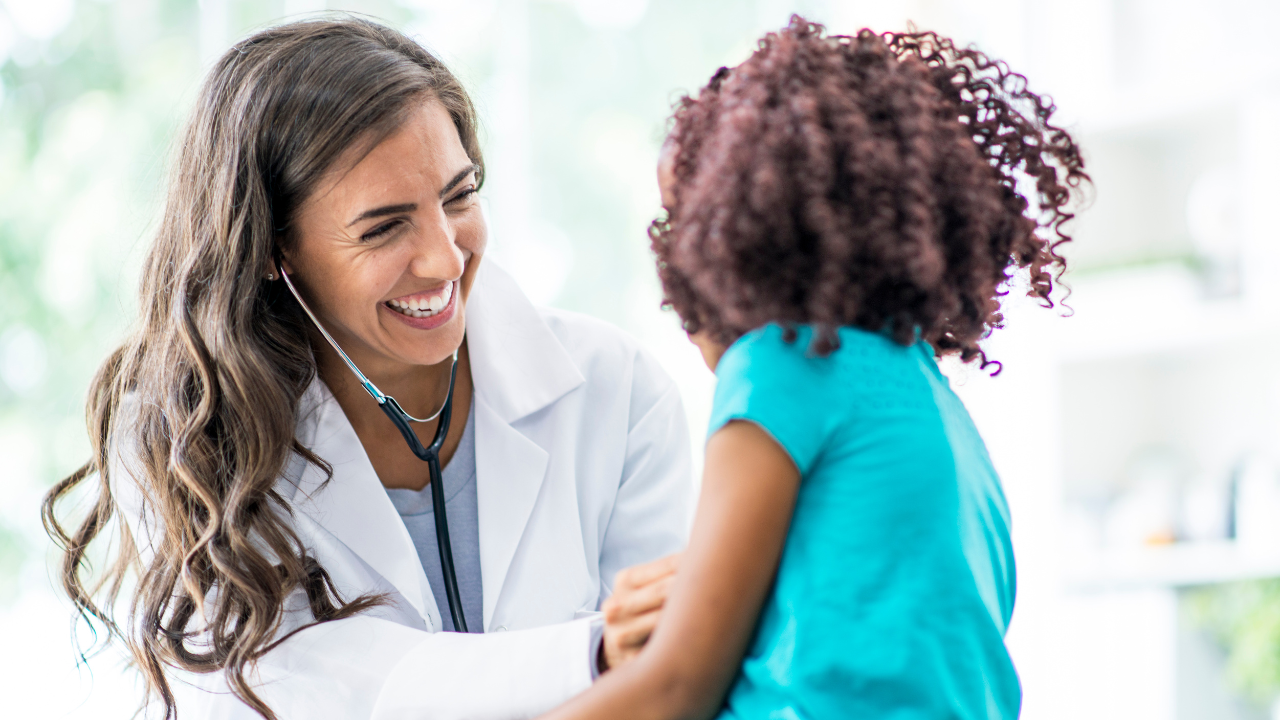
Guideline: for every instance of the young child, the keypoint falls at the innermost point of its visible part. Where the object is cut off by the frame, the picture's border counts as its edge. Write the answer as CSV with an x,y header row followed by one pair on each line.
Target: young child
x,y
842,211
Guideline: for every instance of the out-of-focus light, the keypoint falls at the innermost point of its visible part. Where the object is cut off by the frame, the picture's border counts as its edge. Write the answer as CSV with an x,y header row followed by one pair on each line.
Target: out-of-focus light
x,y
302,7
451,29
540,261
23,360
611,13
6,38
1212,206
40,19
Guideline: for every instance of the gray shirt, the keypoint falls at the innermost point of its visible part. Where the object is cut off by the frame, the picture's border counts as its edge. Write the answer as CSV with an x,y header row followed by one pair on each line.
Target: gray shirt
x,y
460,505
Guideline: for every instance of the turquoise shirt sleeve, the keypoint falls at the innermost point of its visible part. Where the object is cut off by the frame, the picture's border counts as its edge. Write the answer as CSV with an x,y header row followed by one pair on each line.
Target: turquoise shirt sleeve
x,y
775,384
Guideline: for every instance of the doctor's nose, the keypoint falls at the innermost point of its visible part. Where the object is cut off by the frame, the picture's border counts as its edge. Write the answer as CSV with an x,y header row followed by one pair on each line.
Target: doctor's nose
x,y
436,254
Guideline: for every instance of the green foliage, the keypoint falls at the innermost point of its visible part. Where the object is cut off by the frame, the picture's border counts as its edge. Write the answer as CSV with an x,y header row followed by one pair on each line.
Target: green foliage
x,y
1245,617
84,119
13,552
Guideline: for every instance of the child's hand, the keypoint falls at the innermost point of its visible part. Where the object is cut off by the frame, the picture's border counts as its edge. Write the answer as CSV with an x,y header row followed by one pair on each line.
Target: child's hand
x,y
632,612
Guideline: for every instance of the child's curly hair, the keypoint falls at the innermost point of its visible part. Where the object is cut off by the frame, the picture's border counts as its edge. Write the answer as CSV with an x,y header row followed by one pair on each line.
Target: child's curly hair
x,y
871,181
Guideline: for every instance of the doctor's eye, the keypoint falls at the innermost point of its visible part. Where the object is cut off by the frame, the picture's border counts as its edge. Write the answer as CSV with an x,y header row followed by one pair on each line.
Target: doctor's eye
x,y
381,230
463,197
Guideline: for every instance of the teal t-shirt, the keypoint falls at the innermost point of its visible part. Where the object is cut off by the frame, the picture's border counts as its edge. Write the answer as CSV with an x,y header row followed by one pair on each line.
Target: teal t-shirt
x,y
896,583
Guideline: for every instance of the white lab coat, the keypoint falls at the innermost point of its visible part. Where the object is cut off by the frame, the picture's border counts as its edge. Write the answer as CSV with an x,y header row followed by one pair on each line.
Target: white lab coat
x,y
582,469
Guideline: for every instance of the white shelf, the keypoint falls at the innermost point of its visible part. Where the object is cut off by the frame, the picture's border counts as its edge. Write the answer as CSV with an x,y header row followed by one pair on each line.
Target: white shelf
x,y
1177,565
1153,311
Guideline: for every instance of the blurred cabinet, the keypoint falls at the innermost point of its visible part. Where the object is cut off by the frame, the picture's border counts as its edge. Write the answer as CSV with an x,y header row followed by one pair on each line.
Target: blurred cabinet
x,y
1168,395
1170,410
1139,438
1170,432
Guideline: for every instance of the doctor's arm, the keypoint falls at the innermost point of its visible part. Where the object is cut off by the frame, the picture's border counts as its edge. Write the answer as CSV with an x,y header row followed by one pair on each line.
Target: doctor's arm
x,y
650,515
748,492
650,512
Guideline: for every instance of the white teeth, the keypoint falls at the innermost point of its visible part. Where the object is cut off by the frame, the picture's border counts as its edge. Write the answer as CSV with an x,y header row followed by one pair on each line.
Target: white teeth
x,y
421,308
407,309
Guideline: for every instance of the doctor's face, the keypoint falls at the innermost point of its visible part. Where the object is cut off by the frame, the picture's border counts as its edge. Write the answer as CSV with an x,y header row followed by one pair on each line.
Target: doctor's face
x,y
387,249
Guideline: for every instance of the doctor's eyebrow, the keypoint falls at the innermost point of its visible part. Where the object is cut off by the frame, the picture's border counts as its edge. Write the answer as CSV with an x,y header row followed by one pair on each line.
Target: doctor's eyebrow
x,y
410,207
458,178
384,210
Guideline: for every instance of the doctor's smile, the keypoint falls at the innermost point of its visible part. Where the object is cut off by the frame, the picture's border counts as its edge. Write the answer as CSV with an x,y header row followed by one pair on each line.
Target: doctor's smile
x,y
425,310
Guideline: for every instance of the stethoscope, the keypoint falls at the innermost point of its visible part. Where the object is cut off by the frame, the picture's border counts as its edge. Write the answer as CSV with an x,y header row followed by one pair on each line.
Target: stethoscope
x,y
430,454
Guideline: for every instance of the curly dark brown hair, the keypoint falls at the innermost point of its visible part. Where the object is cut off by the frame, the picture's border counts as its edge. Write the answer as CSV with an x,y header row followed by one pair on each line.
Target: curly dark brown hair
x,y
875,181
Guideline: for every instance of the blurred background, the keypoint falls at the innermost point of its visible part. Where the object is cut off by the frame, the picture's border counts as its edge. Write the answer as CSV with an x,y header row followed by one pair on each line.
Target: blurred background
x,y
1138,438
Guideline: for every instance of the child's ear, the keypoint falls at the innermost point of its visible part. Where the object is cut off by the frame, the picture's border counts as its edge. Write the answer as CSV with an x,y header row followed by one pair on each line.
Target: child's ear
x,y
667,172
711,350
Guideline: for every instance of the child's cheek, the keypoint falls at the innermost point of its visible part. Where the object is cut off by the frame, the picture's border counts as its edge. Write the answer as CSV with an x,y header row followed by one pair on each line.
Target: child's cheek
x,y
711,350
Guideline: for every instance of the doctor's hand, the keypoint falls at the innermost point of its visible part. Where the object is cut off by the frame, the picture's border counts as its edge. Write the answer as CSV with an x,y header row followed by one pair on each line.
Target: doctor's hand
x,y
632,612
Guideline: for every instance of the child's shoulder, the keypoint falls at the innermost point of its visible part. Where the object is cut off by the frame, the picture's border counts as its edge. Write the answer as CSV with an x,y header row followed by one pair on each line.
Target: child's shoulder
x,y
867,367
767,351
858,347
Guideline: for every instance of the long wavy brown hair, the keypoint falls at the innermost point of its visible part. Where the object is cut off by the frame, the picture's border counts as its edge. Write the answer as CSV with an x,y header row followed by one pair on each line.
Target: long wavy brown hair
x,y
892,182
197,409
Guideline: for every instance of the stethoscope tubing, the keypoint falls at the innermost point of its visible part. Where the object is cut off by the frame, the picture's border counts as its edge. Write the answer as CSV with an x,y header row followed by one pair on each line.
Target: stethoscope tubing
x,y
429,454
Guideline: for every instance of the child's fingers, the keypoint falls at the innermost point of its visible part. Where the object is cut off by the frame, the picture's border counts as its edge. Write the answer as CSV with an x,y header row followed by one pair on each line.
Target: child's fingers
x,y
623,641
638,601
640,575
637,632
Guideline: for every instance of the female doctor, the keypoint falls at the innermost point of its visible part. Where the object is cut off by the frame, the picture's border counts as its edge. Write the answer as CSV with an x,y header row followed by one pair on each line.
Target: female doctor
x,y
278,523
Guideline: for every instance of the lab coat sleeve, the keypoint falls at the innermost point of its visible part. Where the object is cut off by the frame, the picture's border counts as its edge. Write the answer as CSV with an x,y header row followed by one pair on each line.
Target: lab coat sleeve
x,y
495,676
366,667
650,518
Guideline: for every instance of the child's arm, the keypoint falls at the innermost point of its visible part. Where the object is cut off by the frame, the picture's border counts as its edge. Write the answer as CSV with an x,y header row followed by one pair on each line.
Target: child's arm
x,y
748,492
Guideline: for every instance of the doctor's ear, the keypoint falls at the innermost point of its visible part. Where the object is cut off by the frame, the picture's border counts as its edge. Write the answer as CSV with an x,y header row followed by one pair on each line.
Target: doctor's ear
x,y
273,271
278,263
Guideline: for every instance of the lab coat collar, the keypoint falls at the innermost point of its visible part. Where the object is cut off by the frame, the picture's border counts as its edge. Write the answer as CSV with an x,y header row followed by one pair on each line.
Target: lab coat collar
x,y
518,365
353,505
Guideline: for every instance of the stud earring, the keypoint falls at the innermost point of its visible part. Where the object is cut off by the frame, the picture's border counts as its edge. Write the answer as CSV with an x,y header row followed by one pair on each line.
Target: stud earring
x,y
271,276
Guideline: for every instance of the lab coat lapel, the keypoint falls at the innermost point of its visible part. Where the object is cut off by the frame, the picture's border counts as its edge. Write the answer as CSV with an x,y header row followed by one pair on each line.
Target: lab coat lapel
x,y
518,367
510,469
353,505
